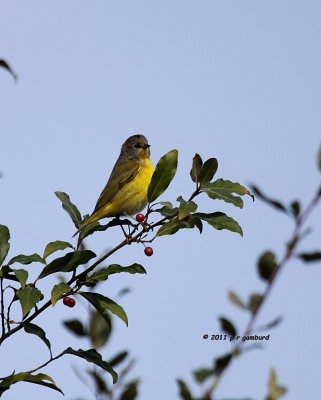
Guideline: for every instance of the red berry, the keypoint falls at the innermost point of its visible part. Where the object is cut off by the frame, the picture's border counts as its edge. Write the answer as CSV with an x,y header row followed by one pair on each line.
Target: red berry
x,y
148,251
69,301
140,217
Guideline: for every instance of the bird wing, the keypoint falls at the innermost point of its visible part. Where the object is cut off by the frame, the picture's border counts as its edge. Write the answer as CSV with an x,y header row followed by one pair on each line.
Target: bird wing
x,y
129,169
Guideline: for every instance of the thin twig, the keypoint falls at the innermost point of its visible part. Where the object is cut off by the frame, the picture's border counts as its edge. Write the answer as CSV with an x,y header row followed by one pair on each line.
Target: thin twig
x,y
300,221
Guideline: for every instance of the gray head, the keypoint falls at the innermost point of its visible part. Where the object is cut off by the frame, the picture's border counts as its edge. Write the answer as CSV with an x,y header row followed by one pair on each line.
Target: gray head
x,y
136,147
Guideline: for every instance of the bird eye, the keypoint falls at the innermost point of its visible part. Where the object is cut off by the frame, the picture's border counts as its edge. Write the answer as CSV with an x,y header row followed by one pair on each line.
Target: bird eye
x,y
136,146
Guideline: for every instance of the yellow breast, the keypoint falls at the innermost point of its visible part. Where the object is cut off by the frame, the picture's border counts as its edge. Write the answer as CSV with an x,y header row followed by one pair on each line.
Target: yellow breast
x,y
132,197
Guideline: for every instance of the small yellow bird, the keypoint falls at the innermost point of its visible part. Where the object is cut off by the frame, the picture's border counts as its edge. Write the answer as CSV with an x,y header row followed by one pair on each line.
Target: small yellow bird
x,y
126,190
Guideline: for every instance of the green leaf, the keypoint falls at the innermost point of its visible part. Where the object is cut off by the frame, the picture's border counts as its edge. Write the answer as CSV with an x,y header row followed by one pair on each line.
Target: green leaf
x,y
39,379
22,259
94,357
71,209
254,302
171,227
310,257
196,167
184,391
103,273
223,190
68,263
163,175
4,242
274,389
202,374
58,291
235,299
99,330
219,220
208,170
227,326
36,330
22,276
104,304
28,297
267,265
118,358
75,326
130,391
168,211
55,246
185,208
272,202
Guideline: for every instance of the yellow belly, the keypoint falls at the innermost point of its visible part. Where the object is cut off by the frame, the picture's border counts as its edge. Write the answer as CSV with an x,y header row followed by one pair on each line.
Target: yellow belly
x,y
132,197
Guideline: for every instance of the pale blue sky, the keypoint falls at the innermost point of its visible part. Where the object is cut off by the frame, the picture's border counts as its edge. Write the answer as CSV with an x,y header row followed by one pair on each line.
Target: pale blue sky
x,y
236,80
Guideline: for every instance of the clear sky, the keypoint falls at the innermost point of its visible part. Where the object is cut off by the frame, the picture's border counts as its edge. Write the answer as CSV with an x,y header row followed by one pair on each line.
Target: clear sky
x,y
235,80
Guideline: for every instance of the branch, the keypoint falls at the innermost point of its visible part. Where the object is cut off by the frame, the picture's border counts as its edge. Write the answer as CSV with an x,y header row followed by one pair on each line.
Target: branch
x,y
300,221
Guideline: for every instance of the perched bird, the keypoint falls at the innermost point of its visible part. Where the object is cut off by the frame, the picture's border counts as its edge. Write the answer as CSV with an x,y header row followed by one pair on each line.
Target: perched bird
x,y
126,190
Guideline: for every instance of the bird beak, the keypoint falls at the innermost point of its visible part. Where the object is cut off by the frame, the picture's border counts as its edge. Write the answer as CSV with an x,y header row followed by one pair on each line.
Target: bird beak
x,y
146,146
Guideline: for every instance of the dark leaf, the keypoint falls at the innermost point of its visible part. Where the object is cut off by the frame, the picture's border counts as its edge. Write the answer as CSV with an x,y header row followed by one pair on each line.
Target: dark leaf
x,y
22,259
267,265
7,273
271,324
175,225
310,257
118,358
69,262
28,297
235,299
163,175
196,167
58,291
184,391
272,202
55,246
6,66
130,391
222,362
202,374
94,357
104,304
36,330
71,209
4,242
39,379
75,326
103,274
208,171
101,385
219,220
254,302
319,159
295,208
227,326
99,330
